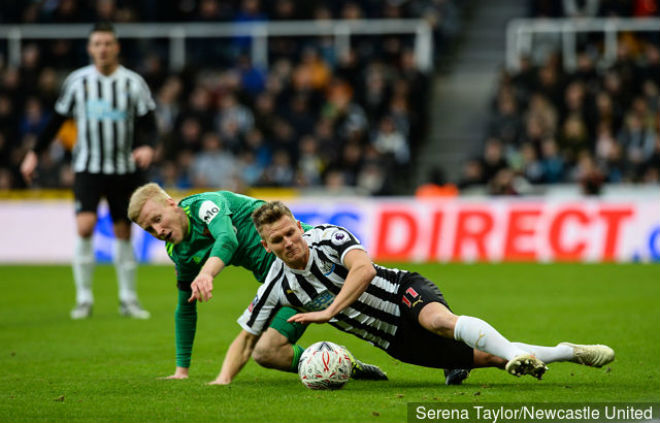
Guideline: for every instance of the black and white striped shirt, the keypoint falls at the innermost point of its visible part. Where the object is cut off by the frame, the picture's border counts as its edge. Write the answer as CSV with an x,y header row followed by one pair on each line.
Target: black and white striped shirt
x,y
105,109
374,316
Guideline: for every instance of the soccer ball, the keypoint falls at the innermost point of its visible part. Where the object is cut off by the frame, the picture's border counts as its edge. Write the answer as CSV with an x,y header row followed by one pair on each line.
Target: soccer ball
x,y
324,365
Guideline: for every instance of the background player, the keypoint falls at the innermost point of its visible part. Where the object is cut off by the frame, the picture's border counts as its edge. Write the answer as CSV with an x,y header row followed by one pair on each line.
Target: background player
x,y
113,110
326,272
203,234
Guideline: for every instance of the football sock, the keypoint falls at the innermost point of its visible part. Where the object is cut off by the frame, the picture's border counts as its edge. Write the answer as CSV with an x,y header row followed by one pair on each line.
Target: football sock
x,y
125,266
480,335
297,352
548,354
83,269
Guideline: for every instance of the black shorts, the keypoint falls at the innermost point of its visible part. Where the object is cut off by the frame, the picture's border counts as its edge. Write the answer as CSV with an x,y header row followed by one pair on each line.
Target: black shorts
x,y
88,188
416,345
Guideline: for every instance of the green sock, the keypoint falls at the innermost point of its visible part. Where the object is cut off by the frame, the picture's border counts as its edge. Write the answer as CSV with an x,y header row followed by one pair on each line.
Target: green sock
x,y
297,352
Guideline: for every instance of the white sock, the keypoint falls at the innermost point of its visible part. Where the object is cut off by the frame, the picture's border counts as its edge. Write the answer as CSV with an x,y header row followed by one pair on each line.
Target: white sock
x,y
548,354
83,269
480,335
125,266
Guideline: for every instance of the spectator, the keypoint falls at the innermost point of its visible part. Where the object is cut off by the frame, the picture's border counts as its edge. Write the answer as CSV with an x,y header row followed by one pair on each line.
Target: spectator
x,y
588,175
214,166
552,162
638,141
233,120
280,172
249,169
505,123
493,159
390,142
573,137
472,174
531,167
310,164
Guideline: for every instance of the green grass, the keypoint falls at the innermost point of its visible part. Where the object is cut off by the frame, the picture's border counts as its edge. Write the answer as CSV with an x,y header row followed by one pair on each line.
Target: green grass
x,y
106,369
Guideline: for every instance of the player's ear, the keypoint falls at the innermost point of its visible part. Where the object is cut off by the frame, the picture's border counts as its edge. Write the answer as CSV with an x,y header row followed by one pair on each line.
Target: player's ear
x,y
170,201
299,225
265,246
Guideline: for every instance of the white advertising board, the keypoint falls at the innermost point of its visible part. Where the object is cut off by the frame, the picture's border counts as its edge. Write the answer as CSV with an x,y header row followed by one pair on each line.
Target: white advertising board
x,y
461,230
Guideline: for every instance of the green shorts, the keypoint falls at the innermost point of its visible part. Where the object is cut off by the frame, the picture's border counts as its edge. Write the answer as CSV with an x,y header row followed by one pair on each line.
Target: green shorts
x,y
292,331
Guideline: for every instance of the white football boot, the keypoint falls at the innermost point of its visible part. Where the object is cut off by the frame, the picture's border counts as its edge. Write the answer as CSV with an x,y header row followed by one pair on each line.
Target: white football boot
x,y
591,355
81,311
526,364
133,309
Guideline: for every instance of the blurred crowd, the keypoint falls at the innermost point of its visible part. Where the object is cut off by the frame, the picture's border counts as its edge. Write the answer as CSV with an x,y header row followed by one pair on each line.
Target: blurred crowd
x,y
310,120
598,124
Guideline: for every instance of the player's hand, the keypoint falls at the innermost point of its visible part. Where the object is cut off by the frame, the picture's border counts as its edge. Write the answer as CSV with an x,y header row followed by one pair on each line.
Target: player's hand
x,y
202,288
180,373
311,317
28,166
143,156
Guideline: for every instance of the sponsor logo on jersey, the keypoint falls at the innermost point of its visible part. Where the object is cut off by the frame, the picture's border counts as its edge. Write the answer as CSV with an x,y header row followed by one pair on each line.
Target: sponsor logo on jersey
x,y
320,302
208,210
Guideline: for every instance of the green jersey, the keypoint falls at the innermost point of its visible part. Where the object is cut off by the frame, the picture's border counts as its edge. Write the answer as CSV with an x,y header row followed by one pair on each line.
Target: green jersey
x,y
219,225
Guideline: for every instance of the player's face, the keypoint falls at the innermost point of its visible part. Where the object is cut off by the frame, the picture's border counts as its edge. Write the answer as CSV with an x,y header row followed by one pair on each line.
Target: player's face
x,y
166,221
284,239
103,48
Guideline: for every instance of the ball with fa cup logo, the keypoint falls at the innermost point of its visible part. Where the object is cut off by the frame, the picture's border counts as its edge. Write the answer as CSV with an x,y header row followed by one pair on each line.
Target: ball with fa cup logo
x,y
324,365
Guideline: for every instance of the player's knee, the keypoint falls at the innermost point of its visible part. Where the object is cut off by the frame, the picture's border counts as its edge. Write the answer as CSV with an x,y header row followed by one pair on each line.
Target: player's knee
x,y
85,223
270,350
122,230
265,355
438,319
444,325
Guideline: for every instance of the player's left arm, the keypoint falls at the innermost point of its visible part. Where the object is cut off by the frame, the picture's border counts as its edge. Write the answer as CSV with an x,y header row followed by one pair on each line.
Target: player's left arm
x,y
145,128
145,124
361,272
238,354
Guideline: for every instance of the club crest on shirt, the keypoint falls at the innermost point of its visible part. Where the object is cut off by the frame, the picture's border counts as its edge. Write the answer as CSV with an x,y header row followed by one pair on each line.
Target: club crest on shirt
x,y
326,267
340,238
208,210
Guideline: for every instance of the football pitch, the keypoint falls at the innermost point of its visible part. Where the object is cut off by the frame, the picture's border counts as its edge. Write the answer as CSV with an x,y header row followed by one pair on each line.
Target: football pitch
x,y
106,369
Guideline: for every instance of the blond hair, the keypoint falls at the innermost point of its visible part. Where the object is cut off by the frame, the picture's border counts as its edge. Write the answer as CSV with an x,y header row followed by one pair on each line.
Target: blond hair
x,y
141,195
269,213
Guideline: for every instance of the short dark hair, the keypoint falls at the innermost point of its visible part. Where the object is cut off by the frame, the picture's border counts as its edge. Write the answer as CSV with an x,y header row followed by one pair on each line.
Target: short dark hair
x,y
270,213
103,26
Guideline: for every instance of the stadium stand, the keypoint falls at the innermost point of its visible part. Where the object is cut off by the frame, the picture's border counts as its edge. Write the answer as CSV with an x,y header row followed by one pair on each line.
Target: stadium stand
x,y
597,124
310,120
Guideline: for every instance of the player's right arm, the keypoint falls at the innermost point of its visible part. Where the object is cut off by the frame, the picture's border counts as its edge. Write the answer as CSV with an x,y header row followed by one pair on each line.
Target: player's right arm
x,y
31,159
202,286
215,214
63,109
